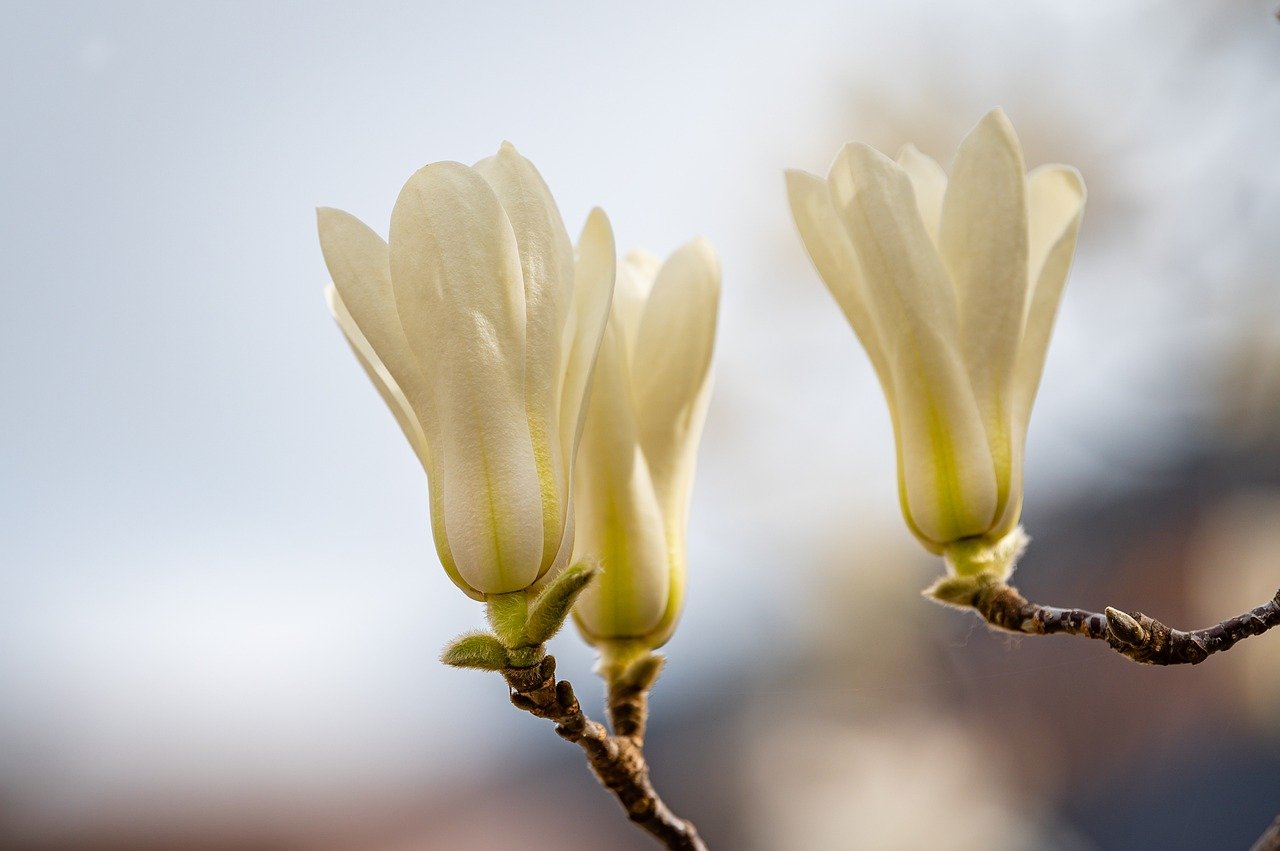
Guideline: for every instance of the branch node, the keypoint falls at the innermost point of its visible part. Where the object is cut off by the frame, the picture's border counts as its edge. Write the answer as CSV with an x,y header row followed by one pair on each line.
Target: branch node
x,y
1125,628
1135,636
618,762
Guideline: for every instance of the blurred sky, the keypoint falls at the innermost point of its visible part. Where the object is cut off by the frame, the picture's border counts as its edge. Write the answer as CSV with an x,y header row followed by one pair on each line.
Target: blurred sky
x,y
217,574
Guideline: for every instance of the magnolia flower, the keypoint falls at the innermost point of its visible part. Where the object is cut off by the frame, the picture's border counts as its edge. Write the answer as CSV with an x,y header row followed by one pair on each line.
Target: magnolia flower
x,y
952,287
635,467
479,328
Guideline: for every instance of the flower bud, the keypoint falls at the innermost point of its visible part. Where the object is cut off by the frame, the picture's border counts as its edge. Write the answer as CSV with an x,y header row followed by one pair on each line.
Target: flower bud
x,y
952,285
639,444
479,328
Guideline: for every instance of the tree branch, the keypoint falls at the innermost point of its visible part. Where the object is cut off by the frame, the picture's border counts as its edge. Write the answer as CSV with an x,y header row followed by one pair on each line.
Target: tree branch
x,y
1269,841
628,706
617,761
1132,634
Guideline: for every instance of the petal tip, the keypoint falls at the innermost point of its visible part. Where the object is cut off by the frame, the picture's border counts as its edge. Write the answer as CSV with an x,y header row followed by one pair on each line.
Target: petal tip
x,y
328,215
992,142
432,172
798,178
598,226
1073,178
598,215
641,258
1065,177
998,122
859,164
702,247
996,115
860,158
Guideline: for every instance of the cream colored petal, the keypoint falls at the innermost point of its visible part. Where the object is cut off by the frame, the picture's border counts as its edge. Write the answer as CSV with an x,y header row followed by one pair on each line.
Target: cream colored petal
x,y
836,261
646,265
594,272
618,520
671,370
946,476
662,631
594,275
546,262
1057,204
930,184
359,263
907,286
386,386
1011,512
404,415
945,467
360,266
984,246
455,271
636,274
672,381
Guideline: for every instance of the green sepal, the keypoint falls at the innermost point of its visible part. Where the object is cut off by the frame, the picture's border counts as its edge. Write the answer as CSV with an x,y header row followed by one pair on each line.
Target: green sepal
x,y
549,612
507,614
643,672
959,591
480,650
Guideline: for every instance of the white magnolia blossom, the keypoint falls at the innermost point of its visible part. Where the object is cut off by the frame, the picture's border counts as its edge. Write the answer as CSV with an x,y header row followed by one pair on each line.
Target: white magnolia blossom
x,y
479,327
639,445
952,285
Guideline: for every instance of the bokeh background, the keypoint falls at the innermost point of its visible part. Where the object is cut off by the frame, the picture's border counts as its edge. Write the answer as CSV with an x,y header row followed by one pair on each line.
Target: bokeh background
x,y
220,610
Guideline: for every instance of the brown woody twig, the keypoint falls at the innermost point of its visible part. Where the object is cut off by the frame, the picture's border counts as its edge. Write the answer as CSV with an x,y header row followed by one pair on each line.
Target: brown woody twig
x,y
1269,841
628,708
616,760
1132,634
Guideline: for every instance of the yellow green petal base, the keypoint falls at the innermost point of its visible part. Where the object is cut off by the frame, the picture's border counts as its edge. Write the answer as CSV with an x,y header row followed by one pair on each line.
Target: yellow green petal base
x,y
973,563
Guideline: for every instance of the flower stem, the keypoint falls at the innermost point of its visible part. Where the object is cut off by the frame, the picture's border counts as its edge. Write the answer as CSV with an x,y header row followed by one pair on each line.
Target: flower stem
x,y
617,761
1131,634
